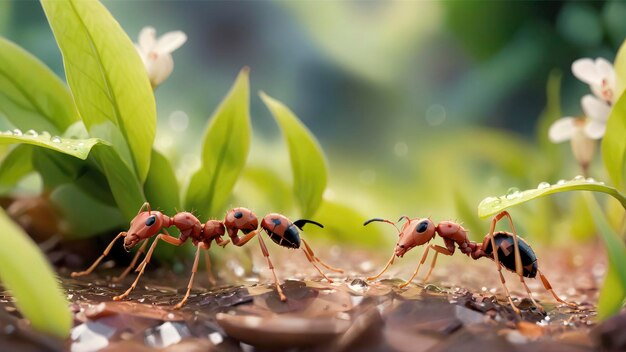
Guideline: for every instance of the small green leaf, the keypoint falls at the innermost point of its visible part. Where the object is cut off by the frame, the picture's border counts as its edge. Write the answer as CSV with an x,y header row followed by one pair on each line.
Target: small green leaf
x,y
614,143
31,95
224,152
612,294
493,205
107,77
57,169
17,164
125,187
79,148
161,187
307,159
620,69
31,280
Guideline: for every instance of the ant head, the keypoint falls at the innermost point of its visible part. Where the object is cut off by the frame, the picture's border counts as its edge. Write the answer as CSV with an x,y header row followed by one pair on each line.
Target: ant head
x,y
240,219
415,232
145,225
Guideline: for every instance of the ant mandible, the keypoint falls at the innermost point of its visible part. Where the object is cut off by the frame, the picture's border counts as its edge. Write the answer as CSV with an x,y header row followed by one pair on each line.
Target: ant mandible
x,y
148,224
516,255
280,230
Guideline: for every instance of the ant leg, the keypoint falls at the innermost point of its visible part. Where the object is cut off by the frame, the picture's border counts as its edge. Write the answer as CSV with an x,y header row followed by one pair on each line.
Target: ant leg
x,y
194,269
207,261
424,256
312,261
104,254
438,249
548,287
266,254
240,241
308,249
132,263
530,294
393,257
519,269
167,238
497,261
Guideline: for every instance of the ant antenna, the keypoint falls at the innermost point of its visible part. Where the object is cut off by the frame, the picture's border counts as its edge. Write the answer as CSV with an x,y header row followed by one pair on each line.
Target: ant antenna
x,y
382,220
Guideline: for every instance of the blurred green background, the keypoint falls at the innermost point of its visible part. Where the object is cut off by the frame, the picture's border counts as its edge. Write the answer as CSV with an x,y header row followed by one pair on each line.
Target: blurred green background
x,y
422,108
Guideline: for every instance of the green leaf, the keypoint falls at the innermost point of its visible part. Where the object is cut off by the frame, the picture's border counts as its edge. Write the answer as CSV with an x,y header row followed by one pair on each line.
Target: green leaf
x,y
78,148
56,168
107,77
224,152
616,251
31,95
620,69
31,280
16,165
614,143
493,205
612,294
125,187
307,159
161,187
85,215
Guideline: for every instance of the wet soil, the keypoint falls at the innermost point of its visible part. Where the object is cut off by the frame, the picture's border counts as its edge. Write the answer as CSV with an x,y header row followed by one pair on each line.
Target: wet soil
x,y
463,309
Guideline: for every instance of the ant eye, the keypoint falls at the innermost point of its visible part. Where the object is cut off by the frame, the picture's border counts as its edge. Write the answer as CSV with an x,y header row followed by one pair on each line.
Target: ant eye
x,y
422,226
151,220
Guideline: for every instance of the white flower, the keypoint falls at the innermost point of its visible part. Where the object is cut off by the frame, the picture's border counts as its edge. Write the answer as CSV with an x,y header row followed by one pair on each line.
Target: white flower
x,y
156,53
582,131
599,75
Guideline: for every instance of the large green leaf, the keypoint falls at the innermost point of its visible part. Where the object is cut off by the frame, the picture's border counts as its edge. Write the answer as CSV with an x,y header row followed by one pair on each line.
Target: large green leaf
x,y
85,215
125,187
493,205
307,159
616,251
620,69
78,148
161,187
27,274
612,294
224,152
614,143
107,77
31,95
14,166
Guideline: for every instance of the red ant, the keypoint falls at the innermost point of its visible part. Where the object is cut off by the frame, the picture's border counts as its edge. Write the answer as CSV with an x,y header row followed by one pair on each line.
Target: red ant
x,y
520,259
149,223
280,230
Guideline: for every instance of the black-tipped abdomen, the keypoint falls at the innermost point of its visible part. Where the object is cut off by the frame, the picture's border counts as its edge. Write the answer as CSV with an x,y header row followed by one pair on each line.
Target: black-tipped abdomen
x,y
506,253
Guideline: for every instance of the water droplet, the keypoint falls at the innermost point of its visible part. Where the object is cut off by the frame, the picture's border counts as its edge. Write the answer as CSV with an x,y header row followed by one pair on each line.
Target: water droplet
x,y
31,133
45,134
543,185
81,144
17,132
9,133
56,139
579,178
591,180
561,182
512,193
490,199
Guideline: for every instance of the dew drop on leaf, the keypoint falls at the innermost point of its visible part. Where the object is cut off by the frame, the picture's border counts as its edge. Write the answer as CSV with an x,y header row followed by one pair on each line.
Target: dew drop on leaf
x,y
560,182
579,178
17,132
31,133
56,139
543,185
45,135
10,133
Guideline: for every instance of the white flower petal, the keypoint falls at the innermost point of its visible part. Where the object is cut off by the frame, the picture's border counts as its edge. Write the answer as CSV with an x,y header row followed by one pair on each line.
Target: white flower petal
x,y
595,109
586,71
594,129
147,39
170,41
604,68
562,129
160,68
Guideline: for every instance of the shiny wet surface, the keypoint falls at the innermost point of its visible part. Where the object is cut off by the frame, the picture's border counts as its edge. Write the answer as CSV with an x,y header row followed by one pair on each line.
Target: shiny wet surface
x,y
347,315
